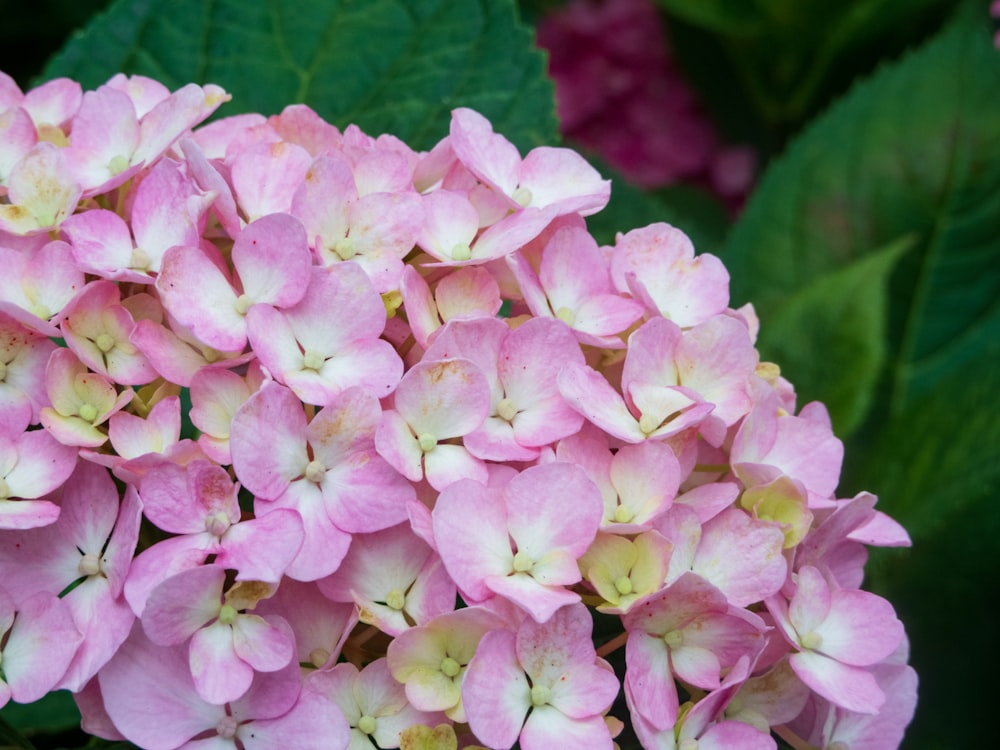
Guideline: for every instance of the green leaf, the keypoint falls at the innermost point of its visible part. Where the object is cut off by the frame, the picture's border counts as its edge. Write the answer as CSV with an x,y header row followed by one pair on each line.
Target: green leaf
x,y
914,150
56,712
937,470
395,66
11,738
851,305
695,212
731,17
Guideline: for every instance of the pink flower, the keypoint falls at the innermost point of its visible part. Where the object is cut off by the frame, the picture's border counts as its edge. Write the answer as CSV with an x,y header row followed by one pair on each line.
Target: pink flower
x,y
527,538
837,633
550,670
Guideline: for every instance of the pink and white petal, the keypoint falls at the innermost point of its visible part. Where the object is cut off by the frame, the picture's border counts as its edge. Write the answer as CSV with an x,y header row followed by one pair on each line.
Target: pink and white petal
x,y
39,647
472,553
651,354
396,443
170,356
372,364
470,292
105,623
27,514
182,604
271,694
587,690
432,593
268,441
220,676
273,260
853,688
170,117
547,727
741,557
450,221
884,730
446,464
488,155
861,628
591,395
562,178
606,315
323,543
445,398
648,680
811,604
201,298
150,696
261,644
495,441
697,665
421,310
43,465
216,395
553,506
272,339
646,478
280,531
265,177
366,493
120,549
167,211
167,501
311,723
101,241
511,233
573,268
727,735
538,600
495,691
164,559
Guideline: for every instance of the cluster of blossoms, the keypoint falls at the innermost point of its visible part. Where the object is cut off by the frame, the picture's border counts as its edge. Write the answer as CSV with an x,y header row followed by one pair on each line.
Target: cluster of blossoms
x,y
620,93
430,425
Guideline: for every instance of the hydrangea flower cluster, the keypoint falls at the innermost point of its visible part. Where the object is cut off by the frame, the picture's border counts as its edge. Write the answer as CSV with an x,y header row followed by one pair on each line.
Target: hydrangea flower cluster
x,y
621,94
430,426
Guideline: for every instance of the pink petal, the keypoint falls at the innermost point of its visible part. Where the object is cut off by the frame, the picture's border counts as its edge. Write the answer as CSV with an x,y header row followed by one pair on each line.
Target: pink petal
x,y
273,260
495,691
261,644
853,688
547,727
182,604
220,676
150,696
471,553
648,680
268,441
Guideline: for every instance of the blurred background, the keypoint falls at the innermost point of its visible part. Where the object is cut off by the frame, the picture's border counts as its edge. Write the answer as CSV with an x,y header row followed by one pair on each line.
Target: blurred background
x,y
844,160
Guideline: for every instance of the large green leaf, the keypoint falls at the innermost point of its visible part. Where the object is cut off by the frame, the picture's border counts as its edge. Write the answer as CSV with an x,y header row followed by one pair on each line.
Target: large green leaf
x,y
850,305
914,150
396,66
699,215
